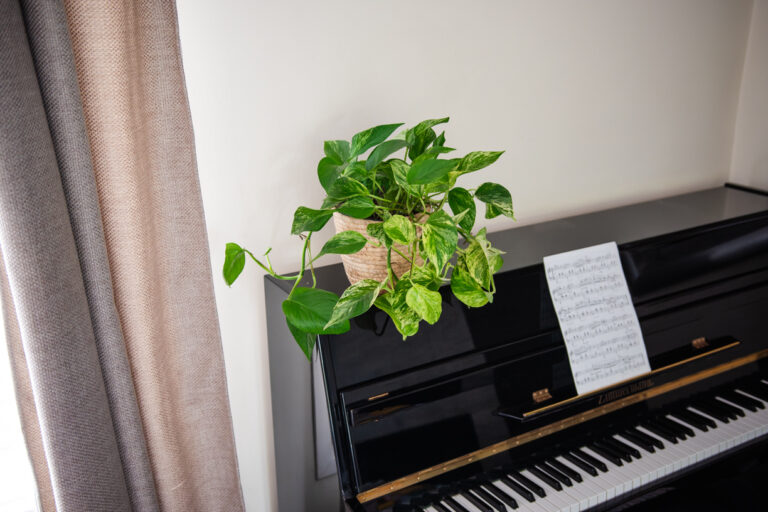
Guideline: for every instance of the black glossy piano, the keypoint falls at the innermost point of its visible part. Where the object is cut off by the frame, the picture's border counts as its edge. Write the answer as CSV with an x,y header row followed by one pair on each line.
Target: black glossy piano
x,y
479,412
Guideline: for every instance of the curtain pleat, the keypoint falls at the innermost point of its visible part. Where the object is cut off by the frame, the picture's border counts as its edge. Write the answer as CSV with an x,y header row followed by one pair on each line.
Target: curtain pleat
x,y
133,93
48,34
30,423
48,294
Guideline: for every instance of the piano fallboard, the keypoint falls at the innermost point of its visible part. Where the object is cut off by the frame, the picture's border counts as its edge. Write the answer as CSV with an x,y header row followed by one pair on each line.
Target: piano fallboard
x,y
488,391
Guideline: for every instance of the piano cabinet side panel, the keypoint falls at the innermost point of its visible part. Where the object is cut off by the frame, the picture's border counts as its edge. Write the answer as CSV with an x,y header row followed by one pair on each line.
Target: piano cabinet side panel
x,y
290,375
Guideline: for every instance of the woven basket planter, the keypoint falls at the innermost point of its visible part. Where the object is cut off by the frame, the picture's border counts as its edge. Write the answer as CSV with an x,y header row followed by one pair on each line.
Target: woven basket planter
x,y
370,262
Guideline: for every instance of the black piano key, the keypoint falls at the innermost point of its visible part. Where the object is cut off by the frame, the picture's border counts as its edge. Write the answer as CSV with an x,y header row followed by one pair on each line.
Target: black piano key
x,y
438,506
608,442
709,422
489,499
555,473
688,430
750,404
664,424
501,495
727,409
714,411
544,477
519,489
566,470
682,431
590,460
527,482
645,437
580,464
607,453
624,446
690,418
754,390
661,432
475,501
639,442
735,410
455,505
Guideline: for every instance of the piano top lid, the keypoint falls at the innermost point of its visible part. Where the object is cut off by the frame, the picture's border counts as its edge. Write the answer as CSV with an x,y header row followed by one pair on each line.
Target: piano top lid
x,y
527,245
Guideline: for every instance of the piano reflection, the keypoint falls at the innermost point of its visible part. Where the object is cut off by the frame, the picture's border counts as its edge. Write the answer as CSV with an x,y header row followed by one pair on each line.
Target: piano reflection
x,y
479,412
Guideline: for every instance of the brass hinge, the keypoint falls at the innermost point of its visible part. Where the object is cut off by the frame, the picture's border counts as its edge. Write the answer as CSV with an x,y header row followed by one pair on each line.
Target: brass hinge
x,y
700,343
541,395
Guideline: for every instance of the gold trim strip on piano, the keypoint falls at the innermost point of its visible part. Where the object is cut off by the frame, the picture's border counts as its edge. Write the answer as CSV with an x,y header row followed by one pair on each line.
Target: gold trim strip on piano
x,y
627,381
483,453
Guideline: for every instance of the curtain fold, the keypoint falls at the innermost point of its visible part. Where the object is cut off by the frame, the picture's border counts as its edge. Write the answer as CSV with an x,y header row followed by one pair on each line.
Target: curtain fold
x,y
48,293
107,289
132,85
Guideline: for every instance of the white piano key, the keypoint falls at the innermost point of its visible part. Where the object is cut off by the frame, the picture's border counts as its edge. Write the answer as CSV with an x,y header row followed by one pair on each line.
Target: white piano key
x,y
592,491
523,504
483,500
628,479
553,496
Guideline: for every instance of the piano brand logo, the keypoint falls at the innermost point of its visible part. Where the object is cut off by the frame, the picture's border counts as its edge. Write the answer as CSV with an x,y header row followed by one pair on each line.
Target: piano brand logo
x,y
629,389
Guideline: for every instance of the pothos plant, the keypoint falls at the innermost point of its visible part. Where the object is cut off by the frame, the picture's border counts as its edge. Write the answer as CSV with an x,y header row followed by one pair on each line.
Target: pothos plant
x,y
405,183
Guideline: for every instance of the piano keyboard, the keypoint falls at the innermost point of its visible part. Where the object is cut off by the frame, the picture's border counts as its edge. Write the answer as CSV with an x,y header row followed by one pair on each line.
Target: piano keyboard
x,y
628,458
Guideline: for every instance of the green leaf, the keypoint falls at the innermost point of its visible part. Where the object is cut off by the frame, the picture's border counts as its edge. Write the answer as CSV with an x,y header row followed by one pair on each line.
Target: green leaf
x,y
337,150
466,289
432,153
498,200
476,262
307,219
382,151
429,171
440,140
366,139
439,237
460,200
477,160
309,309
345,187
394,304
328,170
420,136
234,261
356,171
346,242
358,207
305,340
400,174
425,276
425,302
376,230
355,300
400,229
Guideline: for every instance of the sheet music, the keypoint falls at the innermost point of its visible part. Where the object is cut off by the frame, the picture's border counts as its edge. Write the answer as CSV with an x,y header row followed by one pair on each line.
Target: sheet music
x,y
598,320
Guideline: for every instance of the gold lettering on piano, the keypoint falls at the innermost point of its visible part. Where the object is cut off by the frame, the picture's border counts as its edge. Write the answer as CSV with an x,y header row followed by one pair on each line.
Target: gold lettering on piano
x,y
615,394
558,426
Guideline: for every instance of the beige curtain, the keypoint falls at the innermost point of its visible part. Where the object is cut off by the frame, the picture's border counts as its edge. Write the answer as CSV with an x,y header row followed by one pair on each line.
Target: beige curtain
x,y
131,78
106,280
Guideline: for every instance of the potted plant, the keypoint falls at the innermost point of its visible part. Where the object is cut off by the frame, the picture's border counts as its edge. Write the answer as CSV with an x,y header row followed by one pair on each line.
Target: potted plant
x,y
400,221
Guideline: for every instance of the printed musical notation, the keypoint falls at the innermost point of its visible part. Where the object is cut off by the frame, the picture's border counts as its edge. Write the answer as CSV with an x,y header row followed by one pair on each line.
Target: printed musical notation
x,y
598,321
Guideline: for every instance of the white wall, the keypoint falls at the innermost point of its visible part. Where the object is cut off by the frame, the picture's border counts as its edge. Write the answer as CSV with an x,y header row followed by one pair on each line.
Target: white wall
x,y
598,103
749,164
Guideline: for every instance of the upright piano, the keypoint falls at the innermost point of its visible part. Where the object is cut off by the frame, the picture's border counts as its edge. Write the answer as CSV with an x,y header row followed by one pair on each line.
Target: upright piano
x,y
479,412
